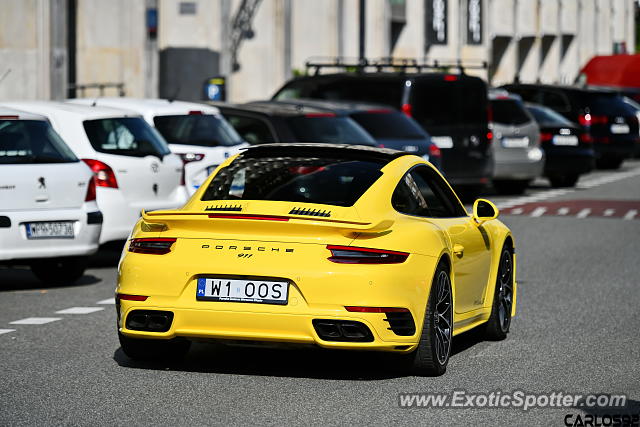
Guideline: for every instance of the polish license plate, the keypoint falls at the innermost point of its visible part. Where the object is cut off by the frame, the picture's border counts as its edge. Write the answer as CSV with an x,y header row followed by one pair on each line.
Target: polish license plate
x,y
515,142
50,230
241,290
442,141
620,128
565,140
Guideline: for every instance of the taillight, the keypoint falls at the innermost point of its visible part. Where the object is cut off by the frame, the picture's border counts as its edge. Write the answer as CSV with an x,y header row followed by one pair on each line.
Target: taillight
x,y
155,245
104,176
407,110
585,138
188,158
313,115
546,136
588,119
434,151
489,113
359,309
450,78
128,297
91,190
356,255
489,137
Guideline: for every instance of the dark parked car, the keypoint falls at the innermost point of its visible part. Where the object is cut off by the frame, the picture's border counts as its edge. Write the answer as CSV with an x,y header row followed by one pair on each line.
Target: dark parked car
x,y
609,122
568,148
389,127
266,122
452,108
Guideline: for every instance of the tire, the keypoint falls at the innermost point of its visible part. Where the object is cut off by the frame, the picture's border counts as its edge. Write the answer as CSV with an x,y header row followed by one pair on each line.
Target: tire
x,y
511,186
59,271
434,348
497,327
148,349
609,162
560,181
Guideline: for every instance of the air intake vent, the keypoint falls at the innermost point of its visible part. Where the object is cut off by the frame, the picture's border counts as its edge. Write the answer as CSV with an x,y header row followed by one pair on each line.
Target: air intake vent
x,y
310,212
224,208
401,323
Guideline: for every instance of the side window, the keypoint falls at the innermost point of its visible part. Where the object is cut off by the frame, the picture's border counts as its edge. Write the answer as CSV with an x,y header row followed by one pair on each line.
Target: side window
x,y
251,129
420,193
556,101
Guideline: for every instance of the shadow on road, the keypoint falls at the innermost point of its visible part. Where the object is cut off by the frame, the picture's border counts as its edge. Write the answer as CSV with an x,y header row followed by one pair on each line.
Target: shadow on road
x,y
21,279
295,362
108,255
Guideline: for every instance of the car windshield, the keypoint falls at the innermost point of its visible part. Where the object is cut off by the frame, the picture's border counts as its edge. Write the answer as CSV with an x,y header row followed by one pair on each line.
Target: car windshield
x,y
509,112
329,129
197,129
330,181
388,124
440,103
32,141
548,116
125,136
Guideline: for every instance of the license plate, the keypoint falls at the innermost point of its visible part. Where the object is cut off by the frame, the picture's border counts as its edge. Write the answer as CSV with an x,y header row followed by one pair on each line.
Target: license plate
x,y
565,140
240,290
50,230
442,141
515,142
620,128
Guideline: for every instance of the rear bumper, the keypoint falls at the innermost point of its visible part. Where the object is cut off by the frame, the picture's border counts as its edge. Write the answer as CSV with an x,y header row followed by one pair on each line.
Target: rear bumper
x,y
569,161
317,290
14,244
120,215
618,148
517,166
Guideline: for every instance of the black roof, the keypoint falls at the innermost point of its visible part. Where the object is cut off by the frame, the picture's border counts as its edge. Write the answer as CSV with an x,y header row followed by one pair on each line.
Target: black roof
x,y
567,88
300,149
340,107
275,108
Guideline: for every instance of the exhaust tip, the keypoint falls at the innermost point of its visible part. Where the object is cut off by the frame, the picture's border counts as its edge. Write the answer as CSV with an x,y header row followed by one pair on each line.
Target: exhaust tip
x,y
342,330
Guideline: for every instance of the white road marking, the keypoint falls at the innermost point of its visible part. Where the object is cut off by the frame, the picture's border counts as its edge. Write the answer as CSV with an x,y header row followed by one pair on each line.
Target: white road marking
x,y
79,310
6,331
517,211
608,212
631,214
563,211
583,213
539,211
35,321
111,300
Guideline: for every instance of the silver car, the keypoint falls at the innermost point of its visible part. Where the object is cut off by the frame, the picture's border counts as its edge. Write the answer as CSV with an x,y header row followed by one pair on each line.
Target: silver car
x,y
516,144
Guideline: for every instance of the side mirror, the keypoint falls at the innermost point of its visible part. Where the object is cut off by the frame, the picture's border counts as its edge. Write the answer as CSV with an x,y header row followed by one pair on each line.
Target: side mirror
x,y
484,210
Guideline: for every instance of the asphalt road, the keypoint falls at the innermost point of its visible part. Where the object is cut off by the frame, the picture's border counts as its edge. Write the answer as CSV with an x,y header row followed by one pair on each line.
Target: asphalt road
x,y
576,331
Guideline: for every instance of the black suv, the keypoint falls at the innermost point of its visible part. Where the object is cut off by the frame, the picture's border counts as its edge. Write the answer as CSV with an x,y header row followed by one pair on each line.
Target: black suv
x,y
609,122
267,122
452,108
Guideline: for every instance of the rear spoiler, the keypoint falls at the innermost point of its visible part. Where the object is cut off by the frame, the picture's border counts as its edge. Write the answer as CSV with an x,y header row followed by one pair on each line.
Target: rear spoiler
x,y
167,217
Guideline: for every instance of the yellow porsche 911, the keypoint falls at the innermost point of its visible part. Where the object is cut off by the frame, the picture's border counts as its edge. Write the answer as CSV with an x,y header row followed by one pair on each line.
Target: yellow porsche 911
x,y
343,247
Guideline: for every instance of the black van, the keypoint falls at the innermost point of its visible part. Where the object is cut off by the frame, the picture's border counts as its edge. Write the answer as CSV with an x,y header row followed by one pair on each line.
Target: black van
x,y
609,122
452,108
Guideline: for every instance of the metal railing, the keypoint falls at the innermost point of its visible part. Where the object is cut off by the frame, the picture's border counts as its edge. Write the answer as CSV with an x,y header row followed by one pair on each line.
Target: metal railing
x,y
388,64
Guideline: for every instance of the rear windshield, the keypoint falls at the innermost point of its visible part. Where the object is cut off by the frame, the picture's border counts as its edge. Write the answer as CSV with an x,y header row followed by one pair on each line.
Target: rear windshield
x,y
32,141
125,136
548,116
206,130
329,130
509,112
329,181
375,91
438,103
391,124
608,104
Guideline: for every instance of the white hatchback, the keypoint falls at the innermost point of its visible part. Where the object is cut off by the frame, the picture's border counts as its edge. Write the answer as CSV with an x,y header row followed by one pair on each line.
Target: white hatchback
x,y
133,166
49,218
198,133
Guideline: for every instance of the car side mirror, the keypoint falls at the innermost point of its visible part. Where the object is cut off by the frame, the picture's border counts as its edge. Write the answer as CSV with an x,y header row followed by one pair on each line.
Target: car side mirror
x,y
484,210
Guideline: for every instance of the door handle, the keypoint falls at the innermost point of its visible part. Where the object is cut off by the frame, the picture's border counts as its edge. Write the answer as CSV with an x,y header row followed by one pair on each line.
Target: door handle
x,y
458,250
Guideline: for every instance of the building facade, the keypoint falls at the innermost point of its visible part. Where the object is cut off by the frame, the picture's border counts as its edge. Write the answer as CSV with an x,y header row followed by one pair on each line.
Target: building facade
x,y
53,49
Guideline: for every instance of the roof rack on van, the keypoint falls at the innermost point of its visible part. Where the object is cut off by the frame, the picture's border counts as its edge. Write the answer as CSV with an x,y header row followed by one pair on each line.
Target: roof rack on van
x,y
388,64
